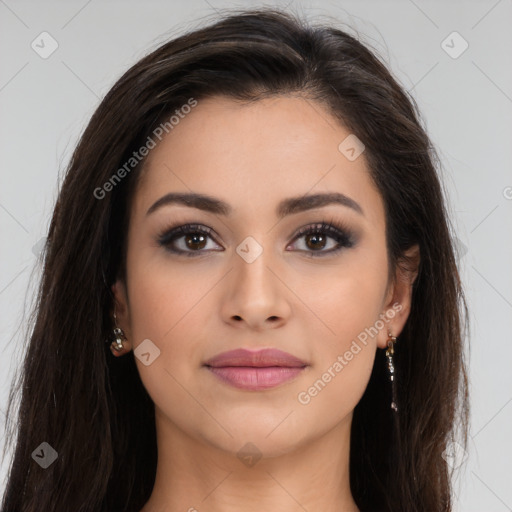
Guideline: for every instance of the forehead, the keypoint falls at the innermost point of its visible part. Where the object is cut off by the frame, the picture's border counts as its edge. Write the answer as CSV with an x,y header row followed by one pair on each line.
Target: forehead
x,y
253,155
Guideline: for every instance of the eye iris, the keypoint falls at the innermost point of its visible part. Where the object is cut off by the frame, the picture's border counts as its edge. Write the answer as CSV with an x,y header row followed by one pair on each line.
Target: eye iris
x,y
315,237
194,236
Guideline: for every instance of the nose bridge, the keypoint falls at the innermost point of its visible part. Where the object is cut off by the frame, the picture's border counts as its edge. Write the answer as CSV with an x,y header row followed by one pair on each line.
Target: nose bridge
x,y
256,294
251,262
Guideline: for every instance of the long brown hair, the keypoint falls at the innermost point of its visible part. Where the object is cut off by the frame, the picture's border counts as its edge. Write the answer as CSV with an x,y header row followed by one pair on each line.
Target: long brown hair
x,y
93,409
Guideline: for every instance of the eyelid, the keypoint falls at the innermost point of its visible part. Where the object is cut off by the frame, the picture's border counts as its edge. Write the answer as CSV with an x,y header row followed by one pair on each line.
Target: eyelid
x,y
179,230
344,236
331,224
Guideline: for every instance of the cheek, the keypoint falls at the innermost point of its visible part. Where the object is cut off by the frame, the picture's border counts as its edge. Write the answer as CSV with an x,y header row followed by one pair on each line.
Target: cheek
x,y
344,353
169,305
347,305
333,390
166,307
163,294
345,298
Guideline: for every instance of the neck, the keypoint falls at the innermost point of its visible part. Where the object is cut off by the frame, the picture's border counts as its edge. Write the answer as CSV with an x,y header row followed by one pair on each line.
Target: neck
x,y
195,474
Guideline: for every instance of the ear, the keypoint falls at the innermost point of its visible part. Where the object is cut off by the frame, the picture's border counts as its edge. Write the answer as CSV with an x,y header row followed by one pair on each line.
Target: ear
x,y
397,304
122,312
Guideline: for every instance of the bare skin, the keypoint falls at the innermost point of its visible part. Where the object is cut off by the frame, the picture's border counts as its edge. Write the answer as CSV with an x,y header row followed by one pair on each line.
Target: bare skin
x,y
290,297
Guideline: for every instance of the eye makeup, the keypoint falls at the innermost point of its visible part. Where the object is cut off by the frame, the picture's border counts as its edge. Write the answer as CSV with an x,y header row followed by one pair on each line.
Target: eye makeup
x,y
194,235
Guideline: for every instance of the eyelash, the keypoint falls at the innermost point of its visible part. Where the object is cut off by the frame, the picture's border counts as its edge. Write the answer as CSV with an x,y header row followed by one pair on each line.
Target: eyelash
x,y
340,233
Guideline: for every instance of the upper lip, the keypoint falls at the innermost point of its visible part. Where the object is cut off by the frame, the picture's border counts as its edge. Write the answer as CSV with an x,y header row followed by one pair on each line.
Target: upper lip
x,y
257,358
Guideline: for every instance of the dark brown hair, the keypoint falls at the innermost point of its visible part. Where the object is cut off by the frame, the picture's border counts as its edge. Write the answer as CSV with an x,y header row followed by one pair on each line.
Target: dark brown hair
x,y
93,409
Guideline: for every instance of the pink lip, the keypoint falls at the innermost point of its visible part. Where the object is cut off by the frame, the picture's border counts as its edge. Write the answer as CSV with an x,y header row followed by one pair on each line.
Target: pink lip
x,y
255,370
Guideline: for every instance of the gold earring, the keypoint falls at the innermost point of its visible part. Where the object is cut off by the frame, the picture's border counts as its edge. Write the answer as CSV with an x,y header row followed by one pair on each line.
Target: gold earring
x,y
389,354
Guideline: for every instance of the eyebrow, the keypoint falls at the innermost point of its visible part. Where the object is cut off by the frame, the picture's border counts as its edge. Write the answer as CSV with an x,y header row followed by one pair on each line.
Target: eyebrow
x,y
286,207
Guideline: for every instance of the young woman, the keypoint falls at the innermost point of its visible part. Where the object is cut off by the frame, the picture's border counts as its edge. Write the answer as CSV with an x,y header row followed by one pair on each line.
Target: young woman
x,y
254,222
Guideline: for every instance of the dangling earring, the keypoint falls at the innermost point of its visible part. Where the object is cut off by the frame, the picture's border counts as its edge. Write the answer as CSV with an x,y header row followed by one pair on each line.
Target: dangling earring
x,y
119,337
389,354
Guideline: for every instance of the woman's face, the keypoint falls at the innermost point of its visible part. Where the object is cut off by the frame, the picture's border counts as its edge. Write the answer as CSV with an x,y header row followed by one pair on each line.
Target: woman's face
x,y
252,282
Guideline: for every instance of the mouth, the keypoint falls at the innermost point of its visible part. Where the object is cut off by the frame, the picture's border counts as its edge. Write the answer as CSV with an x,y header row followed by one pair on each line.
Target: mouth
x,y
266,357
255,370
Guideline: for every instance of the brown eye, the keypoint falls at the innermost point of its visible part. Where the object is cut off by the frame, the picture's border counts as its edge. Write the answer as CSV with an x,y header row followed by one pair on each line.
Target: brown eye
x,y
320,239
189,239
316,239
195,241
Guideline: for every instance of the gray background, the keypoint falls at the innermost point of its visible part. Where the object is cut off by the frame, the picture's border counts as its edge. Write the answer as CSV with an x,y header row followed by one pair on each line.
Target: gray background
x,y
466,104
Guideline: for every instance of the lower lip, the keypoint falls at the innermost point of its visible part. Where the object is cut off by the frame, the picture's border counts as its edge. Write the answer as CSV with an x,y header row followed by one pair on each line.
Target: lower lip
x,y
255,379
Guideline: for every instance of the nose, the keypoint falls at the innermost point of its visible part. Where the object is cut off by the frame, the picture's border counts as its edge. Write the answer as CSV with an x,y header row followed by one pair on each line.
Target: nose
x,y
256,296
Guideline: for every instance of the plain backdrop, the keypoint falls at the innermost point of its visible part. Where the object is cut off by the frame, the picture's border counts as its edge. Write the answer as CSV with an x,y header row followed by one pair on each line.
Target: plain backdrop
x,y
466,102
